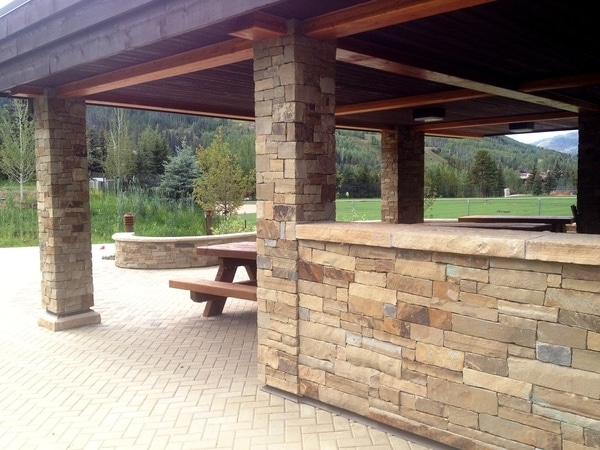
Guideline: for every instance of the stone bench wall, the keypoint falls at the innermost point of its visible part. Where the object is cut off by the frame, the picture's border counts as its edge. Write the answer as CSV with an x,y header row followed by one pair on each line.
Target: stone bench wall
x,y
492,346
142,252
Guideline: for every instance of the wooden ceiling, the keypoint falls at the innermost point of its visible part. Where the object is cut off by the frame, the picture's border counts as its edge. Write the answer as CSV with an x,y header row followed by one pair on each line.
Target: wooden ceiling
x,y
487,63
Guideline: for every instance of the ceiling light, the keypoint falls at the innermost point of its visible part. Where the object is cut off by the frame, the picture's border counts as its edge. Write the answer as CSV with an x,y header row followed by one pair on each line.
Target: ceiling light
x,y
521,127
429,114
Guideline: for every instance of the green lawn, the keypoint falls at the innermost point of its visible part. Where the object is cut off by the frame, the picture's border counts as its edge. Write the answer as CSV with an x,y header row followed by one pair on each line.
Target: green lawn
x,y
18,220
451,208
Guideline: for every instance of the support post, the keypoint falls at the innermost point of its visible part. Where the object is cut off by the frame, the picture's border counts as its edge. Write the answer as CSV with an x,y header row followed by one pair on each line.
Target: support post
x,y
588,167
402,176
295,159
63,214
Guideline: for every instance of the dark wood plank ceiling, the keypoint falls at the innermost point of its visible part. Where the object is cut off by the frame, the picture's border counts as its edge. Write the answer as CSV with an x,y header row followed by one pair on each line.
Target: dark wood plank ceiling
x,y
487,63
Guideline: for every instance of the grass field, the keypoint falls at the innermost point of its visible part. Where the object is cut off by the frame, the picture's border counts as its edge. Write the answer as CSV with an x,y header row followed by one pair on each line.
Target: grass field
x,y
154,217
452,208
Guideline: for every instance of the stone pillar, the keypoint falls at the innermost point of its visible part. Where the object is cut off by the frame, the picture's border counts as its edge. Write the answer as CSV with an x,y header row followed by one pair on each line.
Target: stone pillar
x,y
63,214
295,161
588,168
402,176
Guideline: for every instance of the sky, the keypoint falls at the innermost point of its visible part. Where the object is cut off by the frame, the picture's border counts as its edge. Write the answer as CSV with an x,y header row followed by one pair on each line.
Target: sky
x,y
3,3
528,138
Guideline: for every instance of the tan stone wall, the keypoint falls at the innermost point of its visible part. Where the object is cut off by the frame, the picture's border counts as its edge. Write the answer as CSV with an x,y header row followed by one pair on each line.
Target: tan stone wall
x,y
141,252
63,206
476,339
295,159
402,181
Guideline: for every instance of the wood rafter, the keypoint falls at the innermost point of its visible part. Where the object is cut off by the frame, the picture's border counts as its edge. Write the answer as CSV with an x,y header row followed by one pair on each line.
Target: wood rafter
x,y
564,82
440,126
258,26
355,52
356,19
171,107
27,91
467,94
227,52
379,14
409,102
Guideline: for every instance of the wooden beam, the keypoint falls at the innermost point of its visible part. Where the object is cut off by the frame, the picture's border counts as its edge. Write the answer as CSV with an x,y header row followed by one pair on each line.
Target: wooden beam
x,y
124,29
355,52
361,126
258,27
456,134
438,126
378,14
564,82
171,107
542,88
228,52
27,91
409,102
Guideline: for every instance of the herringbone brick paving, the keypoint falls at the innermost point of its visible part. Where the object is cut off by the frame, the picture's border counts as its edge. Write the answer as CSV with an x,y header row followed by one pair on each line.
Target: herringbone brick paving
x,y
155,374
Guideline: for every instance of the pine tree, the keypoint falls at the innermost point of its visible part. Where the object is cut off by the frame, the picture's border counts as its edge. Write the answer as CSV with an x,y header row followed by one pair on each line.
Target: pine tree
x,y
485,176
96,148
152,152
180,172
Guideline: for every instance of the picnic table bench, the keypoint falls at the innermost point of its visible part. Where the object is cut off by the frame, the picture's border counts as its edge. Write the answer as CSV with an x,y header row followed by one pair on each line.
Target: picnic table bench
x,y
215,292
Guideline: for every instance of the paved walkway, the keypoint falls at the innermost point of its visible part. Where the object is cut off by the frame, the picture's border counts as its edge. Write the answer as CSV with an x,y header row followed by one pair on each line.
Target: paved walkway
x,y
154,374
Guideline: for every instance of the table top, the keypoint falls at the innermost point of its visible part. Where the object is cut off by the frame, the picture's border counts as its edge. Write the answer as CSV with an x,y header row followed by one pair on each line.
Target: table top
x,y
526,226
239,250
515,219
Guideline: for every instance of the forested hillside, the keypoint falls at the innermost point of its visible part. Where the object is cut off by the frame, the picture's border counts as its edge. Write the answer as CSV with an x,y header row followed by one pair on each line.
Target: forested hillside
x,y
520,167
454,167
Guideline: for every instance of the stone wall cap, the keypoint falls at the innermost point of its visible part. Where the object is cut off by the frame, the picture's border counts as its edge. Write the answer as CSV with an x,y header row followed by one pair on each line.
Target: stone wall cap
x,y
529,245
132,237
565,248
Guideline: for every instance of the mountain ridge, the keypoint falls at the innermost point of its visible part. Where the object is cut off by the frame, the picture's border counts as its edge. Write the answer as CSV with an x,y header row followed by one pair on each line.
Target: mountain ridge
x,y
564,143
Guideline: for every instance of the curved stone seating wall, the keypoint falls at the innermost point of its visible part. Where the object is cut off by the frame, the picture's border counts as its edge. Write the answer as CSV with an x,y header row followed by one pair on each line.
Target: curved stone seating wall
x,y
143,252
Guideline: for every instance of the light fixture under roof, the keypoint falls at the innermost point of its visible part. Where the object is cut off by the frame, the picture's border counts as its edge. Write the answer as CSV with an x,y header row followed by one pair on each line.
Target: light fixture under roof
x,y
520,127
429,114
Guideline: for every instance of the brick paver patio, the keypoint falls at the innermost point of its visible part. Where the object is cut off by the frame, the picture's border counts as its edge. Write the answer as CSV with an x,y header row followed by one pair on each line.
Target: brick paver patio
x,y
154,374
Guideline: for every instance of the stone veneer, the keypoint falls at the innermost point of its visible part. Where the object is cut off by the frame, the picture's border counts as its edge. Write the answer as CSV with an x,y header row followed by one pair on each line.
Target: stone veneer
x,y
295,160
143,252
475,338
402,181
63,213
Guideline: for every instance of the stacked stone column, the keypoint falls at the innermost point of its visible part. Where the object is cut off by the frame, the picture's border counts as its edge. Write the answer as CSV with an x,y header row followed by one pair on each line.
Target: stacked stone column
x,y
63,214
402,180
295,161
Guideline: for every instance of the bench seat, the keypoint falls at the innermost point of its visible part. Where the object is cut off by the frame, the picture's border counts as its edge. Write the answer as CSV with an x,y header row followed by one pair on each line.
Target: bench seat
x,y
245,290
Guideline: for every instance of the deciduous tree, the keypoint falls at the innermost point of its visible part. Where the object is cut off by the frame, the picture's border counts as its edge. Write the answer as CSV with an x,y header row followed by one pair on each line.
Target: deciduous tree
x,y
119,155
222,185
17,156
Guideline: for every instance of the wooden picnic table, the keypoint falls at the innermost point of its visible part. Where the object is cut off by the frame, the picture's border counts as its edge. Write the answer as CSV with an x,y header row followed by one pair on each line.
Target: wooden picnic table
x,y
558,224
215,292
